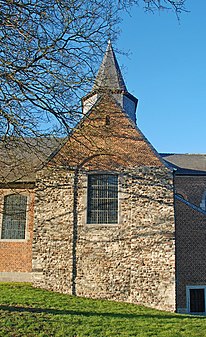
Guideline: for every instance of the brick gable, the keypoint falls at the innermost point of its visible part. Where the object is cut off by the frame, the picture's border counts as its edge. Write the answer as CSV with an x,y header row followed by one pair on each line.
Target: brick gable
x,y
106,139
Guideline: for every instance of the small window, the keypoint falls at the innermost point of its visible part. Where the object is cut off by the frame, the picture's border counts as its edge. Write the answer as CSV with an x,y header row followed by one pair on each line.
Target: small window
x,y
102,199
14,217
107,120
196,300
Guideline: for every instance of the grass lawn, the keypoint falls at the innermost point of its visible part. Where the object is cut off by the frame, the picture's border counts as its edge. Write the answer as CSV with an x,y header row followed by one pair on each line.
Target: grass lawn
x,y
25,311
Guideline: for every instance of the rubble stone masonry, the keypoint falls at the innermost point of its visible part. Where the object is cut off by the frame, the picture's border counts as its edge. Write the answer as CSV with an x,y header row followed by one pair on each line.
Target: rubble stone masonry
x,y
133,260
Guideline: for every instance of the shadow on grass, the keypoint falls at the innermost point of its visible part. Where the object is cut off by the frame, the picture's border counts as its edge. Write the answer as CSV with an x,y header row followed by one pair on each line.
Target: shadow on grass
x,y
87,314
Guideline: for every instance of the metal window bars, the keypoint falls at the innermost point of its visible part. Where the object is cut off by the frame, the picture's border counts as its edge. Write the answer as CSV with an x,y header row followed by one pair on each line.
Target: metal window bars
x,y
102,199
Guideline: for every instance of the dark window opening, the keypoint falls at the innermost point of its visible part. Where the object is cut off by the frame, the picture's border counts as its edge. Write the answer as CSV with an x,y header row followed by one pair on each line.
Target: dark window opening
x,y
102,199
14,217
197,300
107,120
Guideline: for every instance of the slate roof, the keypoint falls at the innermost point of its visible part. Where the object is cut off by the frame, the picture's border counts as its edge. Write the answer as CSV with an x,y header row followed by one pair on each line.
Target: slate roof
x,y
109,75
20,158
186,164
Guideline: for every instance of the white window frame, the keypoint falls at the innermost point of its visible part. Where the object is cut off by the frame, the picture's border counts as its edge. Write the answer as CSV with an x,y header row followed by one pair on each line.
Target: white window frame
x,y
27,236
188,298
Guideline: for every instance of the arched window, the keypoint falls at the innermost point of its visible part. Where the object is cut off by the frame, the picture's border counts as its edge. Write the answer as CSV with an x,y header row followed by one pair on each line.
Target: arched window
x,y
14,217
203,202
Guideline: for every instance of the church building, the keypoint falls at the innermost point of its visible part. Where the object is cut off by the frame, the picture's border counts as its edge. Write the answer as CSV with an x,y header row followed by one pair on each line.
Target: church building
x,y
106,216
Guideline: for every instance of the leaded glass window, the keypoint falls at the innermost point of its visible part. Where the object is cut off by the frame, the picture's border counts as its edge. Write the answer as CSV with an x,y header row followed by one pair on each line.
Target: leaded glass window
x,y
102,199
14,217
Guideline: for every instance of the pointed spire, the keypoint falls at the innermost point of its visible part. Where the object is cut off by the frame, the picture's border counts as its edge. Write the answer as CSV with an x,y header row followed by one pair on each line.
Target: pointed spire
x,y
109,75
109,78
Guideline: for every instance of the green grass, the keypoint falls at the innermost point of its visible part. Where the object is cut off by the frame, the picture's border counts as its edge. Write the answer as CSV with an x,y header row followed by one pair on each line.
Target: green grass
x,y
25,311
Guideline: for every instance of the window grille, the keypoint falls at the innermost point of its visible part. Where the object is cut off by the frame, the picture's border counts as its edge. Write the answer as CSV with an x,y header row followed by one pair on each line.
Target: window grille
x,y
14,217
102,199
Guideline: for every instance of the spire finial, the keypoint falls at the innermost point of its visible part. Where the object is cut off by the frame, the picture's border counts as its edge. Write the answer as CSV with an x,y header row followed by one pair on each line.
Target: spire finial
x,y
109,20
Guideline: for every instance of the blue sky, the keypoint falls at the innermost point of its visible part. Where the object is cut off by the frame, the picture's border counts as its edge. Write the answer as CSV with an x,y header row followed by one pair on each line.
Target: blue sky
x,y
166,71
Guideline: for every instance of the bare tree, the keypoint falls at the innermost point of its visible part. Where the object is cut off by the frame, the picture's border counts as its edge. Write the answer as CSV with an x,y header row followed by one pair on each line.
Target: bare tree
x,y
48,55
178,6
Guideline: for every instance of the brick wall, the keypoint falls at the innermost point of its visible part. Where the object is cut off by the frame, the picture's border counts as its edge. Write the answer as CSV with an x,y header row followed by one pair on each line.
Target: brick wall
x,y
190,250
190,236
16,255
191,187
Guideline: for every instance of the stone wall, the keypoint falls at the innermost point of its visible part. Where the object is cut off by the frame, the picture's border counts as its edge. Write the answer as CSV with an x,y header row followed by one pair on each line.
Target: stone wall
x,y
133,260
153,238
53,230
